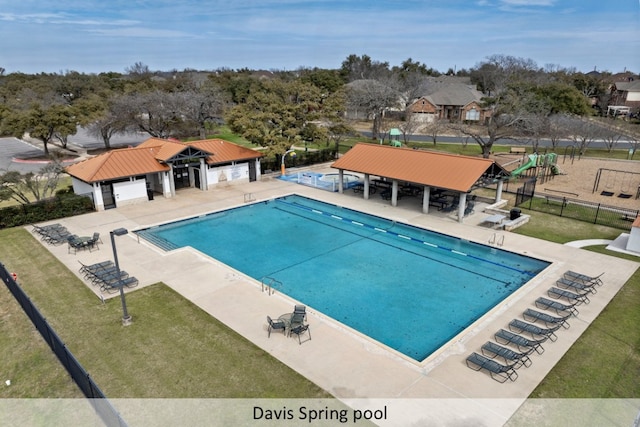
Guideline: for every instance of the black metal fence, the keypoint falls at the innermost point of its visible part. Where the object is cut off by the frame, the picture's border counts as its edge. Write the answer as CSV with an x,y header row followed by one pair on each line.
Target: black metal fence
x,y
595,213
301,159
102,406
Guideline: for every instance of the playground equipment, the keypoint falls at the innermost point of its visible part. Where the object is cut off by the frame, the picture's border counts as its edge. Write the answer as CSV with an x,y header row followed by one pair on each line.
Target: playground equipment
x,y
394,137
617,181
545,162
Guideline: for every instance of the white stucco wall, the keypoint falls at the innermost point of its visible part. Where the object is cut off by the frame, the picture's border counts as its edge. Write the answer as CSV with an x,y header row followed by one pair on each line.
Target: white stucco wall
x,y
130,192
633,244
228,174
81,187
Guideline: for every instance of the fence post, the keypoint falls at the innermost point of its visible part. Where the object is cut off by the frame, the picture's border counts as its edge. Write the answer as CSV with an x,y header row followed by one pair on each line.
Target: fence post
x,y
564,203
595,220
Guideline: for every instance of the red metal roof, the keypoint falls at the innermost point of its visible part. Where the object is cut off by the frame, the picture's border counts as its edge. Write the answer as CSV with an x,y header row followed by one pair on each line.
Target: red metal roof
x,y
116,164
151,156
442,170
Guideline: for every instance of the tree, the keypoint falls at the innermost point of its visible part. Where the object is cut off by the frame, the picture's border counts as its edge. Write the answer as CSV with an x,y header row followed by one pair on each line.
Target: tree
x,y
435,127
42,124
374,97
278,116
507,120
409,126
356,67
106,127
37,186
581,131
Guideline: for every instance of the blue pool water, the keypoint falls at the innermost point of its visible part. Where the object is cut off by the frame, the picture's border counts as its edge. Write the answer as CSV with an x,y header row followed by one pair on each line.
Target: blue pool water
x,y
406,287
327,181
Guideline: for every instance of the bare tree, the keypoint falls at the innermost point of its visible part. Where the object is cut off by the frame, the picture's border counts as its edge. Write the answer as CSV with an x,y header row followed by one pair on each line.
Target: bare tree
x,y
375,97
610,137
23,188
106,127
435,128
582,132
409,126
556,130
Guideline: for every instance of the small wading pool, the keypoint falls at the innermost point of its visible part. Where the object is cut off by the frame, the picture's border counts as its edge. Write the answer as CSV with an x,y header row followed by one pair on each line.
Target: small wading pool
x,y
408,288
327,182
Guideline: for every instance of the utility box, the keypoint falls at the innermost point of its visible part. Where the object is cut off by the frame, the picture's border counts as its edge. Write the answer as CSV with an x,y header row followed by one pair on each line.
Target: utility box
x,y
514,213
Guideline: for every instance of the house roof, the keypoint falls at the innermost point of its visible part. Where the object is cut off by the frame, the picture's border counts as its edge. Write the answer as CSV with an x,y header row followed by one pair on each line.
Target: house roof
x,y
441,170
152,156
455,94
116,164
632,86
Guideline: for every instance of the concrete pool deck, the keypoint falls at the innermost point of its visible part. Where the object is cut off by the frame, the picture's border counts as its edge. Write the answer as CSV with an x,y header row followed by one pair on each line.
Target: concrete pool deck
x,y
337,358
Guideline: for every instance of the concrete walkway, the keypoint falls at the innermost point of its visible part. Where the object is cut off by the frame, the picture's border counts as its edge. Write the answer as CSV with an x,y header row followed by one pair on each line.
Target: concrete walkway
x,y
439,390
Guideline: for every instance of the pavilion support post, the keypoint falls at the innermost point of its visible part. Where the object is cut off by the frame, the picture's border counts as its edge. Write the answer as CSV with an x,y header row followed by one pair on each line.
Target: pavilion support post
x,y
394,193
366,186
499,191
426,195
462,206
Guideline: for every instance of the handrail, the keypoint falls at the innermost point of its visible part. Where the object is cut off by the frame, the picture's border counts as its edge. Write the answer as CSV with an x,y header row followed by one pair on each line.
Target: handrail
x,y
496,239
269,283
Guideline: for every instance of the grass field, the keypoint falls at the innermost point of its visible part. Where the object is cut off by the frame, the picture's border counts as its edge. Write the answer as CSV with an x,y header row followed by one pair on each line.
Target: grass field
x,y
176,350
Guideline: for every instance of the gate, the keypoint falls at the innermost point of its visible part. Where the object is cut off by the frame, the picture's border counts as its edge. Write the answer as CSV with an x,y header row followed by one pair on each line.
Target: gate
x,y
526,192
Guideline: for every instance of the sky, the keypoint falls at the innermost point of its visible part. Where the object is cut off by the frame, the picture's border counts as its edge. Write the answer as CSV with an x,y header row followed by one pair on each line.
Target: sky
x,y
87,36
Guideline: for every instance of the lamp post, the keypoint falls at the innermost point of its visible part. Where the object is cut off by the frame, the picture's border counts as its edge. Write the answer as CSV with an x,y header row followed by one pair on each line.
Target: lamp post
x,y
126,319
283,156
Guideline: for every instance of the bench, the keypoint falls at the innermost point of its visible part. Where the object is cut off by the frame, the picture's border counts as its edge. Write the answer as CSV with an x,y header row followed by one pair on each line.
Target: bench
x,y
517,150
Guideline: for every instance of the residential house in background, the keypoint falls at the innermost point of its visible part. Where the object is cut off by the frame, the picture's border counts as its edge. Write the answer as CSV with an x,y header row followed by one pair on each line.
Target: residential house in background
x,y
453,102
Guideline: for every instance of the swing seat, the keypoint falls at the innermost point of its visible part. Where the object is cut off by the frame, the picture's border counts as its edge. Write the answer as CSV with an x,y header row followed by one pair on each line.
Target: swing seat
x,y
606,193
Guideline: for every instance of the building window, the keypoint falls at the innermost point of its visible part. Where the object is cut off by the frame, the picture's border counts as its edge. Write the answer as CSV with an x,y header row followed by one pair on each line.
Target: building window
x,y
472,114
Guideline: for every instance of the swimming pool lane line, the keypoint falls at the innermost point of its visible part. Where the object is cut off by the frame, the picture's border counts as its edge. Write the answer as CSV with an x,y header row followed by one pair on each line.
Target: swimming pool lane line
x,y
374,228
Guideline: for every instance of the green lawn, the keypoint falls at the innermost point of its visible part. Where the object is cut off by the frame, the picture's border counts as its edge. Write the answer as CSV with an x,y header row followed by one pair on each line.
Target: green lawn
x,y
175,349
605,361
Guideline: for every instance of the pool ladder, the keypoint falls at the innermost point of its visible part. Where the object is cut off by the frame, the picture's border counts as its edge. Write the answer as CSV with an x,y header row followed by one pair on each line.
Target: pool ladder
x,y
268,284
496,239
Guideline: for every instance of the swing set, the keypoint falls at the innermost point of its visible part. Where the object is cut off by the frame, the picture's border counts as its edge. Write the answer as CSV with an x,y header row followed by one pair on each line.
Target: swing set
x,y
617,181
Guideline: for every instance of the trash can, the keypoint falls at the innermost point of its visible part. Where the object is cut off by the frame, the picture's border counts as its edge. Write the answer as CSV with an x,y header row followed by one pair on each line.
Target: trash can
x,y
150,194
514,213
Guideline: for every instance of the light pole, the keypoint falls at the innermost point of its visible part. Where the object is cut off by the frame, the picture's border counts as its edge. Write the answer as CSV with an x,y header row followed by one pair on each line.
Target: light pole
x,y
126,319
283,156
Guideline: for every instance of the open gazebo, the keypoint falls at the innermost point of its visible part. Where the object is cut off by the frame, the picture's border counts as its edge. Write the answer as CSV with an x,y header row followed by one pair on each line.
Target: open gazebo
x,y
431,172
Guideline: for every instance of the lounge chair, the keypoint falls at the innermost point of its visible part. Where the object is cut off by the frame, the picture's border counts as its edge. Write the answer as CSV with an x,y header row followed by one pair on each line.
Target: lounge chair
x,y
299,330
115,285
531,315
87,269
498,371
577,286
491,349
56,237
524,344
558,307
519,326
569,296
274,325
583,277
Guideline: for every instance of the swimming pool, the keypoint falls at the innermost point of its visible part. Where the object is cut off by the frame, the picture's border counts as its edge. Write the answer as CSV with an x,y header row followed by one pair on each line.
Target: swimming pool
x,y
327,181
408,288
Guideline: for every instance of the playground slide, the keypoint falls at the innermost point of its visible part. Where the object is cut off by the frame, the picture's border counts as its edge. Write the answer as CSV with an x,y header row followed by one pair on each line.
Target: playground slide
x,y
533,159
